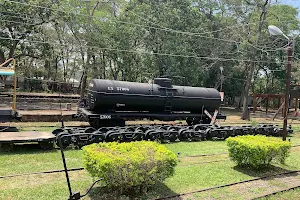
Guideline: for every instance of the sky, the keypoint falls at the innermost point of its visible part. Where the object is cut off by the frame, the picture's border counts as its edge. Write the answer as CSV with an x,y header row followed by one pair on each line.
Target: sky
x,y
294,3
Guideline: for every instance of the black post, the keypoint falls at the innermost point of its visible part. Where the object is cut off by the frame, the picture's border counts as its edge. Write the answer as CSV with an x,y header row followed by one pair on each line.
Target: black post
x,y
287,90
65,164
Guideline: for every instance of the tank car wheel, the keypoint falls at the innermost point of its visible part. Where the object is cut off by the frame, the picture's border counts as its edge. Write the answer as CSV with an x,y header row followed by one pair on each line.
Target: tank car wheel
x,y
57,131
89,130
153,136
138,135
113,138
196,121
206,121
103,130
173,139
6,147
46,145
183,136
189,121
173,136
65,141
208,135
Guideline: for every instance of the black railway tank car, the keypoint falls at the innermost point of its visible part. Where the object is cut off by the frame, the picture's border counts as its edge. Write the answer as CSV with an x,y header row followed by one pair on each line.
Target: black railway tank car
x,y
105,95
111,101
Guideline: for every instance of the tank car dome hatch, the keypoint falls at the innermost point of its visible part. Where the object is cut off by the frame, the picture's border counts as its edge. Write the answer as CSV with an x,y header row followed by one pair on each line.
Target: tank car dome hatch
x,y
163,82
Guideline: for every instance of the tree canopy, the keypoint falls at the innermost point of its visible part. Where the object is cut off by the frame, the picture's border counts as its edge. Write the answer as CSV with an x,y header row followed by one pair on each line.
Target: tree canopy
x,y
138,40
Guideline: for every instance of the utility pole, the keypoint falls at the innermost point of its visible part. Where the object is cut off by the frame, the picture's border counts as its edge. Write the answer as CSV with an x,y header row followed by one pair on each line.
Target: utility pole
x,y
276,31
287,89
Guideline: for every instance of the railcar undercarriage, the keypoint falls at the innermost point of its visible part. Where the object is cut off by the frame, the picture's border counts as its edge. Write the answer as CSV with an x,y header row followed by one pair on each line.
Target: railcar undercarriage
x,y
163,133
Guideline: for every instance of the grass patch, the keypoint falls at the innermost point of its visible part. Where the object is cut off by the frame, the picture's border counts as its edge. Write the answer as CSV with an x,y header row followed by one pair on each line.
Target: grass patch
x,y
43,187
223,193
41,129
190,174
186,178
29,158
292,194
196,148
276,183
257,190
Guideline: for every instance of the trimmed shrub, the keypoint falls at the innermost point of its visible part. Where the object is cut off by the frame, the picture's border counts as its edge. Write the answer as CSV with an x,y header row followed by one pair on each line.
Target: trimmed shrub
x,y
257,151
130,168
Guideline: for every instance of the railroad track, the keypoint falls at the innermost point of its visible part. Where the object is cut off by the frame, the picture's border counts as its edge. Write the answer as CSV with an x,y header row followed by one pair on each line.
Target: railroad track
x,y
276,192
42,172
186,193
81,168
231,184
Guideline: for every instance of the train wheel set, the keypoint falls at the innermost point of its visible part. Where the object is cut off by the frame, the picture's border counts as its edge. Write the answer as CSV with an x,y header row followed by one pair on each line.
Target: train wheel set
x,y
164,133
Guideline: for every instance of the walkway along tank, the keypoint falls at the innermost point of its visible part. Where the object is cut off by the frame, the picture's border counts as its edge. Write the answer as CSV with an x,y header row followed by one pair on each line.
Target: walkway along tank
x,y
109,102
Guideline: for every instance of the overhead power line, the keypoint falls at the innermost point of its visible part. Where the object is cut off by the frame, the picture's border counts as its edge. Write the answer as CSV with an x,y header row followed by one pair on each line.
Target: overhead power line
x,y
230,53
165,28
150,53
19,22
144,26
204,33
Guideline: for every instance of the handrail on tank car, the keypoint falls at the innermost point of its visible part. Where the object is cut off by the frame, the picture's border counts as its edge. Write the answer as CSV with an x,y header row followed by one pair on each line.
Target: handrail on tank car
x,y
76,195
149,81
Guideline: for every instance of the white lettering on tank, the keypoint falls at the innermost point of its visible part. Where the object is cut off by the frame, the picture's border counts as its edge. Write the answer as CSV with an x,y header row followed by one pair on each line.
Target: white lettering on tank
x,y
105,116
122,89
110,88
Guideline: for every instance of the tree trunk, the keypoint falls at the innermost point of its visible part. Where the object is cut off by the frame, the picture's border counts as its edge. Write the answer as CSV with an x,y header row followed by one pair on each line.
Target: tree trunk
x,y
56,68
264,9
2,57
245,114
83,86
104,66
85,72
240,101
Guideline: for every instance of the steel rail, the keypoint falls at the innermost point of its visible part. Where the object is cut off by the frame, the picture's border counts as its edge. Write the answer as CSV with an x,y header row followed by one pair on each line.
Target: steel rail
x,y
226,185
205,162
42,172
277,192
81,168
216,154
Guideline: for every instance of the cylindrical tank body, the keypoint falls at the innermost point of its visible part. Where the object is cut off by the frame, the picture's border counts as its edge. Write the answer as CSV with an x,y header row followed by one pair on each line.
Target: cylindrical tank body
x,y
110,95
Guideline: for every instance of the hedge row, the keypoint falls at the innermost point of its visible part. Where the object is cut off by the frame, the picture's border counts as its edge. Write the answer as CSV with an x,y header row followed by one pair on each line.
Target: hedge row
x,y
257,151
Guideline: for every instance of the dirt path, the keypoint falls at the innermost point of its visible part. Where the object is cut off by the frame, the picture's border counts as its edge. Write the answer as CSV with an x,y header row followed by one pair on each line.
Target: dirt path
x,y
248,190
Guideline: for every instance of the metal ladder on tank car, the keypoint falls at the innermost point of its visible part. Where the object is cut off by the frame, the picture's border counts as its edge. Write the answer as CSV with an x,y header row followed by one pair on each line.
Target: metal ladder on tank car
x,y
169,100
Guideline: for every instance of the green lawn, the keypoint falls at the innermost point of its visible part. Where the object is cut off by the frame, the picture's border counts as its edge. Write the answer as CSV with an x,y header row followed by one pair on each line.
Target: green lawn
x,y
187,178
192,173
29,158
289,195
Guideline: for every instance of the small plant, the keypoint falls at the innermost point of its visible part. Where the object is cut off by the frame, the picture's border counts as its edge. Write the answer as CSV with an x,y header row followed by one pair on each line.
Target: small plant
x,y
254,122
130,168
257,151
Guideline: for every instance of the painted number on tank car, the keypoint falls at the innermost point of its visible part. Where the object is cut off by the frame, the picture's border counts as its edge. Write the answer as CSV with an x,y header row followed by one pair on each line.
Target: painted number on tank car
x,y
105,116
122,89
